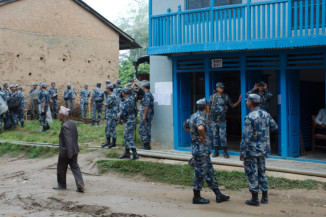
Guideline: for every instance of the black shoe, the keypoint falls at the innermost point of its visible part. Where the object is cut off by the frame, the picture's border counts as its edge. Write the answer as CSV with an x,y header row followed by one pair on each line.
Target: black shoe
x,y
254,200
107,143
93,123
98,122
48,127
147,146
219,196
22,125
59,188
126,154
216,154
113,145
81,190
55,117
198,199
134,154
226,155
264,199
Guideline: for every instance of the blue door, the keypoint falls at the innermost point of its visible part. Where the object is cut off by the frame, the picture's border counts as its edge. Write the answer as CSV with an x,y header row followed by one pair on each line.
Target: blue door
x,y
184,106
293,90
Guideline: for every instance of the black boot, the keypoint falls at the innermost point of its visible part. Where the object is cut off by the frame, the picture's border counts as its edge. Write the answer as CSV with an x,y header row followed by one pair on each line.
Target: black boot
x,y
22,124
219,196
93,122
216,154
126,154
147,146
226,155
198,199
254,200
32,117
113,145
134,154
264,199
0,130
44,129
107,143
98,122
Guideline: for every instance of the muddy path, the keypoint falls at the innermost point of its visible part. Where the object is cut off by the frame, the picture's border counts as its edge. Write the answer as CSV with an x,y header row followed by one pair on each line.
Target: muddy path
x,y
26,190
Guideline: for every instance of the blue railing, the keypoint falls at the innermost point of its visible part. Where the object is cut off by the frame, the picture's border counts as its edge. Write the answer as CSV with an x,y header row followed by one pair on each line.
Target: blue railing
x,y
248,22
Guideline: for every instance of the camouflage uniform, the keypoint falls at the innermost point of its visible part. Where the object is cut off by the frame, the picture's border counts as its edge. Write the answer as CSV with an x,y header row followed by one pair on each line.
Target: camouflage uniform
x,y
111,113
201,154
21,112
84,96
97,103
15,114
54,108
128,113
265,98
44,97
218,106
67,96
145,127
117,92
255,146
34,103
74,98
3,96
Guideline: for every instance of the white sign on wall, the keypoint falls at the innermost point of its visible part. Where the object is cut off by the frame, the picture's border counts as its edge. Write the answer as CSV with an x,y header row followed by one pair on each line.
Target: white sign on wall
x,y
216,63
163,92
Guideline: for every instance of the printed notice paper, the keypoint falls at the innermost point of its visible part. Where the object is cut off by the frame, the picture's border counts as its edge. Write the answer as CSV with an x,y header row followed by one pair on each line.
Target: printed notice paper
x,y
163,91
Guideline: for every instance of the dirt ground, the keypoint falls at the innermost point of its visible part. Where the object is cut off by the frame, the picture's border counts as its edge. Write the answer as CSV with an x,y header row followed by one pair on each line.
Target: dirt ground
x,y
26,190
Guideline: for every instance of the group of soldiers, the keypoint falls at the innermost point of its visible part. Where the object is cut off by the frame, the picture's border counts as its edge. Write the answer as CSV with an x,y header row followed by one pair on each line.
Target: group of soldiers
x,y
120,105
208,125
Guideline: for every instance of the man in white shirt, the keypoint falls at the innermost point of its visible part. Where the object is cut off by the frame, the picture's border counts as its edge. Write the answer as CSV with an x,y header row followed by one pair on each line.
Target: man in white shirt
x,y
321,118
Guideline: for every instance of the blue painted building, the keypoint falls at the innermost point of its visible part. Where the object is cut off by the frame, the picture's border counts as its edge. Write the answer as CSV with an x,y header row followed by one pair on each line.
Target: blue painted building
x,y
195,43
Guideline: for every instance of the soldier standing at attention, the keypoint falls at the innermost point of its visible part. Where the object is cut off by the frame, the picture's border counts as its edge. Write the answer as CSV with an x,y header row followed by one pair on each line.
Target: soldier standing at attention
x,y
84,96
254,148
54,97
200,149
97,103
146,116
127,113
67,96
22,109
111,114
34,101
218,106
264,93
44,100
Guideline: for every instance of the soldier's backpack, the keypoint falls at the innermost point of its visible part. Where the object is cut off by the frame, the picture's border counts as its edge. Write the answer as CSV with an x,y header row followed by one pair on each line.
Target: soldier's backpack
x,y
14,103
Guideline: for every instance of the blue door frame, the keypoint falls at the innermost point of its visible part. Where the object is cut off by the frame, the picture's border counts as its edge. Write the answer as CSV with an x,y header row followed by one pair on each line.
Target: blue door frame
x,y
286,150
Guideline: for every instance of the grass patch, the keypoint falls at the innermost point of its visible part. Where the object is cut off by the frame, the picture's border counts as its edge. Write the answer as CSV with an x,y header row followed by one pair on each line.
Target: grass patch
x,y
113,154
87,134
183,175
30,152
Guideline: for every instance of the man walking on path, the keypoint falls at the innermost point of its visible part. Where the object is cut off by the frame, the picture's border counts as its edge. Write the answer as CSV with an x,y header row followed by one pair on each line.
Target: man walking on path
x,y
68,152
254,148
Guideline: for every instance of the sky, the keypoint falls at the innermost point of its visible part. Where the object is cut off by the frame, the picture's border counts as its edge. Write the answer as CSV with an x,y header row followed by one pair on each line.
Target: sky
x,y
110,9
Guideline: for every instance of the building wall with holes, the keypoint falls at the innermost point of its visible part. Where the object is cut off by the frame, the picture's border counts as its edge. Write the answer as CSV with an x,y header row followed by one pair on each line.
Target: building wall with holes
x,y
55,40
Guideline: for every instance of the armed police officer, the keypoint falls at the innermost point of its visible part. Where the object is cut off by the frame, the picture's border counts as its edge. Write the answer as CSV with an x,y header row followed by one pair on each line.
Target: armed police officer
x,y
219,103
254,148
264,93
200,149
22,107
44,100
54,97
146,116
68,97
84,96
111,114
97,103
127,113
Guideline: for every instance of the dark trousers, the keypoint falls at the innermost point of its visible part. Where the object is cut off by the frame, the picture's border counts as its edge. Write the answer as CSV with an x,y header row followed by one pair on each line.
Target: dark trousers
x,y
62,167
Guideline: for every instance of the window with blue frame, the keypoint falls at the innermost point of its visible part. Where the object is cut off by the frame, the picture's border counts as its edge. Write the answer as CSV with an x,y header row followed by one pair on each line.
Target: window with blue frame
x,y
196,4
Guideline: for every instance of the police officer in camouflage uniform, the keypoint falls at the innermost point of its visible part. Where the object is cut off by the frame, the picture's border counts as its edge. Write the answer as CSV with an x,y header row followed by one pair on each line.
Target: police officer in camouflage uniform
x,y
254,148
84,96
22,109
34,101
219,103
265,95
44,100
15,113
68,96
146,116
5,90
54,97
111,114
127,113
4,98
200,149
97,103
